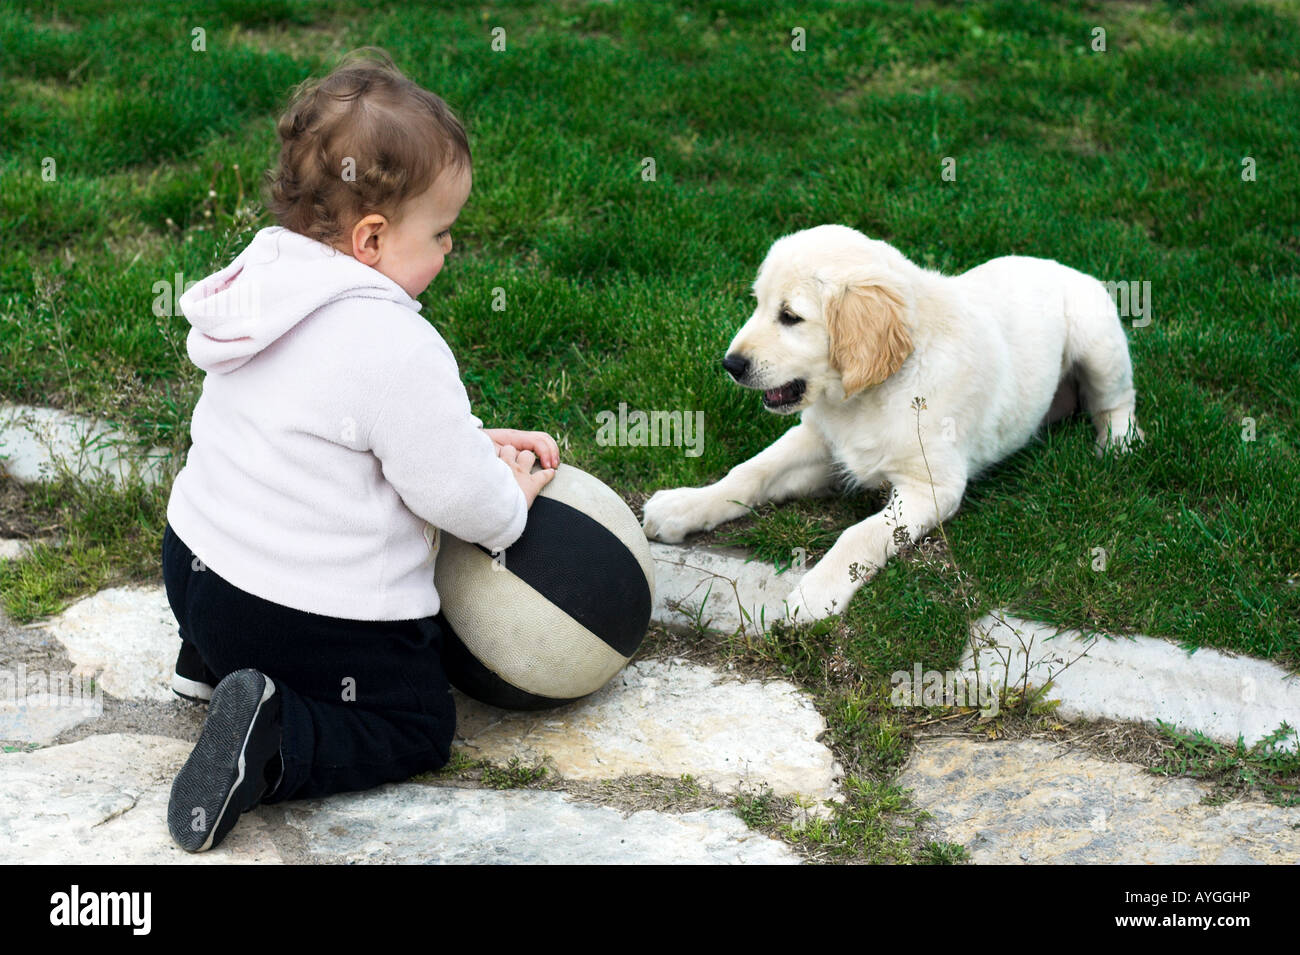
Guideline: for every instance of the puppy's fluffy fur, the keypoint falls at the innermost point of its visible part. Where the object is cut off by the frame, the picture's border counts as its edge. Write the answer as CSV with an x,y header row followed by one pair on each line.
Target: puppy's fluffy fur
x,y
849,332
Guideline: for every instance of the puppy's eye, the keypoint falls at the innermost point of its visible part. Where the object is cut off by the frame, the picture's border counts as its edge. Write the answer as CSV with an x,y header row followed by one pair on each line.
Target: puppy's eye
x,y
788,317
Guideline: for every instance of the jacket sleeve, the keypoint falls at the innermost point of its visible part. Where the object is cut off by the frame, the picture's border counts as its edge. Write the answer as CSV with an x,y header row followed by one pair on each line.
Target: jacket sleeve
x,y
434,453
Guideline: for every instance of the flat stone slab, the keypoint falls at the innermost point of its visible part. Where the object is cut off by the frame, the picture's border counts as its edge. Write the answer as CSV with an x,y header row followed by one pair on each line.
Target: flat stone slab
x,y
126,636
32,439
717,588
103,800
40,717
412,823
660,718
1127,678
1029,801
669,718
11,548
1142,679
41,696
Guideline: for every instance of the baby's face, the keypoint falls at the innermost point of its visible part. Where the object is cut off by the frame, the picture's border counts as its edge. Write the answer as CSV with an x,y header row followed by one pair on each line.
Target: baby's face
x,y
413,251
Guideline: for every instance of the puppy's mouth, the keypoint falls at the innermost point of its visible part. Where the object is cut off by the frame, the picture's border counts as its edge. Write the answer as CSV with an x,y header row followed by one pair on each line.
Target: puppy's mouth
x,y
791,393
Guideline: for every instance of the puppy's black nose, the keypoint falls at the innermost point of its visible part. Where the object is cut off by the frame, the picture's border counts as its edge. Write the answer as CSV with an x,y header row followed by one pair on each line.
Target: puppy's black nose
x,y
736,365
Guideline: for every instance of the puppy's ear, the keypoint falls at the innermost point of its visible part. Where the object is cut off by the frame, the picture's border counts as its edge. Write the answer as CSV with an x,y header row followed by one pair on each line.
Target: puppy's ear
x,y
869,341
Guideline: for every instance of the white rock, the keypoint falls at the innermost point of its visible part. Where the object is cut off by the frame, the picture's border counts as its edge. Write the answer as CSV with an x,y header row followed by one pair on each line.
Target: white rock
x,y
717,588
103,800
38,717
11,548
1142,679
126,636
1128,678
411,823
1017,801
669,718
33,438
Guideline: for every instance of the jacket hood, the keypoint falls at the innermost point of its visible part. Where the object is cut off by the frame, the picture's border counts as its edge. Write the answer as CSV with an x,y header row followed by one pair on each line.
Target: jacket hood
x,y
276,282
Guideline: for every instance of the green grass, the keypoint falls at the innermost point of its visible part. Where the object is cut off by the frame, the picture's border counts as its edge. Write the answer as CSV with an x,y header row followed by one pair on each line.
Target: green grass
x,y
514,774
1125,164
1271,767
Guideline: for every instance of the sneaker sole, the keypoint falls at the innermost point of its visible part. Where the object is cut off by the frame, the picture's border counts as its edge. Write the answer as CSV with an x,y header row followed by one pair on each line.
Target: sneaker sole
x,y
216,770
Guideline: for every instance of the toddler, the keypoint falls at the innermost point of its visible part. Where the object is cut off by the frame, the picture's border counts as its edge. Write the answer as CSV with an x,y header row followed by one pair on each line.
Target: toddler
x,y
332,440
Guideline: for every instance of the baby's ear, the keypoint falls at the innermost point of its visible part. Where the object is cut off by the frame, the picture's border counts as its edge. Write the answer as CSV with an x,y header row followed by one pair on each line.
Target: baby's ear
x,y
869,341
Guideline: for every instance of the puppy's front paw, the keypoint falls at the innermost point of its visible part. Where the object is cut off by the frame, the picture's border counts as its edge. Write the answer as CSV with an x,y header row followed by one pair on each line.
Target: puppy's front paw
x,y
823,591
672,514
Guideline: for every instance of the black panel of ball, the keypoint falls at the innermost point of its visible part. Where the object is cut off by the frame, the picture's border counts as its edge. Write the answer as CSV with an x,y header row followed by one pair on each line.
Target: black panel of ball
x,y
578,565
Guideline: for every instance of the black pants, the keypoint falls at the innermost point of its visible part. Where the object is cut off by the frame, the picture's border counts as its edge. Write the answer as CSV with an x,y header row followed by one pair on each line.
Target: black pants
x,y
363,702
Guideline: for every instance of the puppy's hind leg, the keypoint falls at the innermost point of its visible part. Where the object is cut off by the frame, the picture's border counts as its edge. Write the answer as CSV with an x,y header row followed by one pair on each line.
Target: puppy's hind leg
x,y
1098,350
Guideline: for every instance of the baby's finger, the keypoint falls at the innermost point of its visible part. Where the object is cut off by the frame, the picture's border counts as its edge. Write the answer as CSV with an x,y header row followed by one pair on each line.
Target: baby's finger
x,y
552,451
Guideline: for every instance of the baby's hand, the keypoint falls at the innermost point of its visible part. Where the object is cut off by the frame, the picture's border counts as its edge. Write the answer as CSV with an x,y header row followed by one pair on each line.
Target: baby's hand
x,y
539,442
521,464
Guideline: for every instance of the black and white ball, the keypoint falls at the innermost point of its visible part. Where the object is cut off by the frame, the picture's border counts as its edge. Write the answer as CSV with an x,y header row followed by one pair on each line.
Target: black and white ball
x,y
556,614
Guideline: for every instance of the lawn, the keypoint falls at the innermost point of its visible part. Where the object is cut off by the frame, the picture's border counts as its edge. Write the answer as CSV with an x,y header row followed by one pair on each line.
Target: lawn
x,y
1169,157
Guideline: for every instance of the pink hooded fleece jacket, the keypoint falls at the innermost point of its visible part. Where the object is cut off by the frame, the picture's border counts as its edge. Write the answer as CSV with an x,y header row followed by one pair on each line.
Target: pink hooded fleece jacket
x,y
332,439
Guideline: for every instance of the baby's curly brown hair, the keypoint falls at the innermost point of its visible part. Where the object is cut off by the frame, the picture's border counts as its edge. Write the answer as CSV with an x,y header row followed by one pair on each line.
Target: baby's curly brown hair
x,y
366,118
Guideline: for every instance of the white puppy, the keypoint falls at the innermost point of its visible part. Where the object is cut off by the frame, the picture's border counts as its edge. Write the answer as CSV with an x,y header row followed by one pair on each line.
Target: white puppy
x,y
849,332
